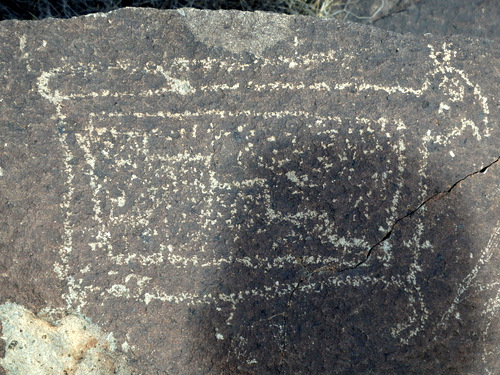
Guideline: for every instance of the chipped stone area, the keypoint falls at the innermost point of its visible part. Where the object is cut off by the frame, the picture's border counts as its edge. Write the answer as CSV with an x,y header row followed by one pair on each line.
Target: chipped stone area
x,y
71,346
320,201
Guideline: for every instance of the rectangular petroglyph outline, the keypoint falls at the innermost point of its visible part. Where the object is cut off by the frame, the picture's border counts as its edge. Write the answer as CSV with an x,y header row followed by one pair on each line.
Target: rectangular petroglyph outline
x,y
178,86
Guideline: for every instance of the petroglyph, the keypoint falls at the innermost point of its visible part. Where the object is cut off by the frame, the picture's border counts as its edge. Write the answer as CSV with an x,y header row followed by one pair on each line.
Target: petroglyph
x,y
252,203
132,153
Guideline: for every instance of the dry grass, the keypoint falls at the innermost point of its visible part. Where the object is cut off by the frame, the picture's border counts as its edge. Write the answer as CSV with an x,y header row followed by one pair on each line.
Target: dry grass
x,y
38,9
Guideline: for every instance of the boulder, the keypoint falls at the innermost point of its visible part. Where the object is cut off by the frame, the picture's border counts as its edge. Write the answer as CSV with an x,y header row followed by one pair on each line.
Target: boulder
x,y
220,192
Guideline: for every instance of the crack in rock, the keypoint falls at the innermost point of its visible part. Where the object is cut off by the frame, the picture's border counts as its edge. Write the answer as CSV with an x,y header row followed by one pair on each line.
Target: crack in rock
x,y
437,195
309,273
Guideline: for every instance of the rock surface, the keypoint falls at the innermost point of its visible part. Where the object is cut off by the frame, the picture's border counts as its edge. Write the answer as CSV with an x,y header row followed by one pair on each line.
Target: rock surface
x,y
72,345
229,192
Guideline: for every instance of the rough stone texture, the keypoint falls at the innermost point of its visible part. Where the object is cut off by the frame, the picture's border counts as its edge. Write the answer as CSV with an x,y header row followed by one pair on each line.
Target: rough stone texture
x,y
71,346
231,192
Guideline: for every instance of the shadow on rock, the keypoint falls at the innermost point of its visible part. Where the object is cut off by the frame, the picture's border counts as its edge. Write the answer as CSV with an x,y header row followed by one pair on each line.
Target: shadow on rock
x,y
333,265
